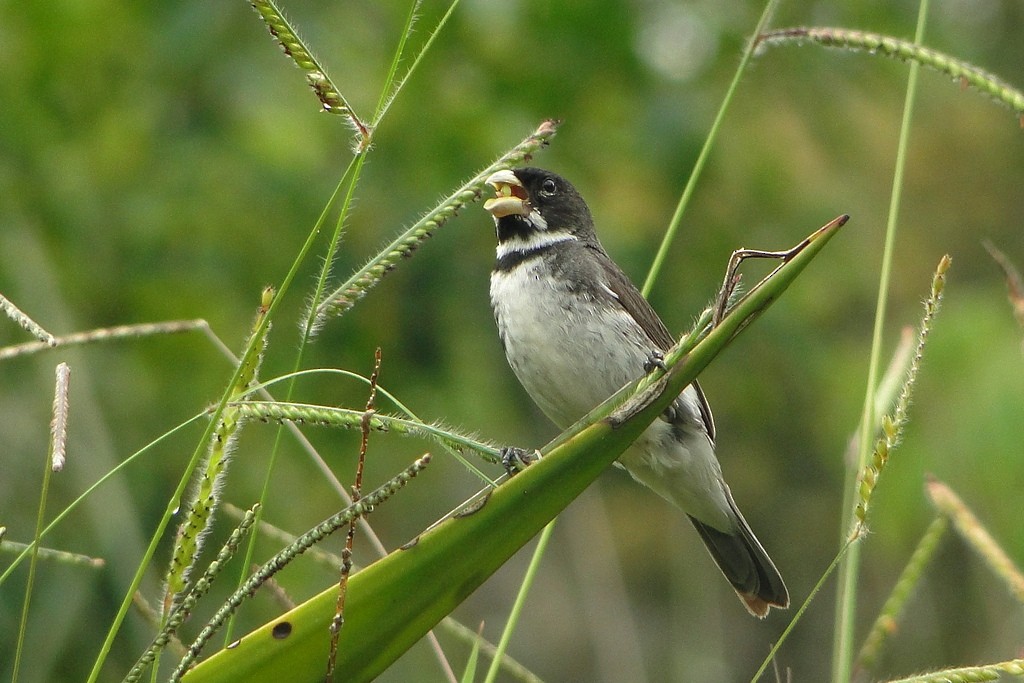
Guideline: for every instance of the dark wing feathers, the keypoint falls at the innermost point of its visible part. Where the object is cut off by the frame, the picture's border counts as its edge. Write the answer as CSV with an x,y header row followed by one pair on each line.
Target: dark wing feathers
x,y
630,298
635,304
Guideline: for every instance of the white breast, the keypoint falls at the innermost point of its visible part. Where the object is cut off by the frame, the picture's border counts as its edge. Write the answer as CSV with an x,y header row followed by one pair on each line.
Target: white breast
x,y
568,352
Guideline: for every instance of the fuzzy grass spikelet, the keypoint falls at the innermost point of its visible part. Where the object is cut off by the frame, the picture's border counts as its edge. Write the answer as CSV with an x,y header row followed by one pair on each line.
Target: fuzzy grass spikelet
x,y
362,507
198,590
347,418
331,99
348,293
103,334
59,423
970,674
26,323
61,556
964,73
977,536
199,515
893,425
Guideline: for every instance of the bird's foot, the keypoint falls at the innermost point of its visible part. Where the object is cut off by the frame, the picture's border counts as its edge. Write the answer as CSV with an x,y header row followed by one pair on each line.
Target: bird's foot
x,y
732,277
655,359
517,459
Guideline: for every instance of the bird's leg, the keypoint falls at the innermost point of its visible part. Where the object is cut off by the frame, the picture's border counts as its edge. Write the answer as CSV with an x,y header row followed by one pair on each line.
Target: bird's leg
x,y
655,359
725,294
517,459
732,277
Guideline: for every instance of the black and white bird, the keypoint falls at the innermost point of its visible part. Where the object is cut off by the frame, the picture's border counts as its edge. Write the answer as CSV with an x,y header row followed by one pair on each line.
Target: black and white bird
x,y
575,330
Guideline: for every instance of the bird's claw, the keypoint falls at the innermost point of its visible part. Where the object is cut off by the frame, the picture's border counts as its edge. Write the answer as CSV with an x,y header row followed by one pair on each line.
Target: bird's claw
x,y
517,459
655,359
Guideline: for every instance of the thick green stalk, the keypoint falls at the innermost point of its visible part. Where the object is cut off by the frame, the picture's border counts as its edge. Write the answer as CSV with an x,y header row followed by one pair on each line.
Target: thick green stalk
x,y
842,646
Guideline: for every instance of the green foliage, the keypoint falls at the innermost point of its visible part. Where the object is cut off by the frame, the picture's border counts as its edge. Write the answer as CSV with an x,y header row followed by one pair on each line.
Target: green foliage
x,y
162,163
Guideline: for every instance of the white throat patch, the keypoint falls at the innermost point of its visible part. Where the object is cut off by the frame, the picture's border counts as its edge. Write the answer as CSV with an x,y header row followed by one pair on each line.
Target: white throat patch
x,y
532,242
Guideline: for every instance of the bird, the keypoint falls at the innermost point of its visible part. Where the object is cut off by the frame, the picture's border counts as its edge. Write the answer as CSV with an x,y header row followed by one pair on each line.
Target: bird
x,y
575,330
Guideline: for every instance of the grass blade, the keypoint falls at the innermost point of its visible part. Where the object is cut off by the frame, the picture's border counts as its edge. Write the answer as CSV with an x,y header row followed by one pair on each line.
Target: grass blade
x,y
842,645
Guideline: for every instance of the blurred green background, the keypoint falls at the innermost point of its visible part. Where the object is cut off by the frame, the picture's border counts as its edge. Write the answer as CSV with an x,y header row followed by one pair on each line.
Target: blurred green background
x,y
164,160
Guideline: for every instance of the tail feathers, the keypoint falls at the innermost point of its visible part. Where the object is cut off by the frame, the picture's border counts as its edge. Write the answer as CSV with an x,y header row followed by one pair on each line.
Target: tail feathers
x,y
746,565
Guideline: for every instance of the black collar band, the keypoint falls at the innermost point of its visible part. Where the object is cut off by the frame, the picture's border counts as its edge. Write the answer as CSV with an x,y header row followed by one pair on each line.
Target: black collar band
x,y
510,260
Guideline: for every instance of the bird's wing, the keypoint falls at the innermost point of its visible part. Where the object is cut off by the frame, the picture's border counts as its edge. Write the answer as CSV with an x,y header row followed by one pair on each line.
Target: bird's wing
x,y
630,298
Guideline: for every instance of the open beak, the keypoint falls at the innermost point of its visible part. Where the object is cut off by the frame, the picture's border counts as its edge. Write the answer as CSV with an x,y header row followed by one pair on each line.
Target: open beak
x,y
510,199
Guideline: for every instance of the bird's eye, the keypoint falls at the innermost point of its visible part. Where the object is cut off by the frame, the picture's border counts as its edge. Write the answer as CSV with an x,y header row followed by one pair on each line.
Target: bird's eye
x,y
548,187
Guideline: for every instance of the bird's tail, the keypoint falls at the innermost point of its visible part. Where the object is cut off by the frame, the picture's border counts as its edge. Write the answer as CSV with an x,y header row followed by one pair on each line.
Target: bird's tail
x,y
745,564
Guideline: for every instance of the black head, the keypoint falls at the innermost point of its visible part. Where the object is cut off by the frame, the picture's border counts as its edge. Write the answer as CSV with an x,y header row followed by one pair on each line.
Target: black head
x,y
532,200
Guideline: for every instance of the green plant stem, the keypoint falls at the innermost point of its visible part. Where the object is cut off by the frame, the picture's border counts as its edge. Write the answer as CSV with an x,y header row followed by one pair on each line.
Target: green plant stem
x,y
40,517
175,500
800,612
517,606
963,73
386,99
970,674
842,647
352,174
698,166
887,618
28,549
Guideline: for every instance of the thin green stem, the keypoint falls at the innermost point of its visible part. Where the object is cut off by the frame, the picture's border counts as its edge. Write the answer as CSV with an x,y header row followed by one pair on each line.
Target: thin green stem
x,y
91,490
351,173
963,73
385,102
842,646
396,59
175,500
698,166
517,606
33,563
886,622
800,612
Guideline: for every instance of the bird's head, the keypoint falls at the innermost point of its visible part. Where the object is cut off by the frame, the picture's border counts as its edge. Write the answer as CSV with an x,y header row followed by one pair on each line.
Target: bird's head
x,y
532,201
